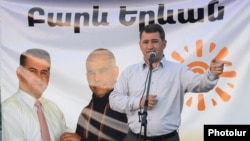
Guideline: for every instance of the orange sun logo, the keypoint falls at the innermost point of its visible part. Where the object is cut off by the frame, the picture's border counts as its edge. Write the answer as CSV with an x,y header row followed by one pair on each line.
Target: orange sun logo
x,y
201,67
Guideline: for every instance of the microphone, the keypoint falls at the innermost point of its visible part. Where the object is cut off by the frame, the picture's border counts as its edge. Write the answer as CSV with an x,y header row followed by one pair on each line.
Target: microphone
x,y
152,57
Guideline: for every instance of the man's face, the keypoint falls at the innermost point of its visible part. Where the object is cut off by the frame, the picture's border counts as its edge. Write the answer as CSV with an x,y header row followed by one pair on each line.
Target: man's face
x,y
34,76
101,74
151,42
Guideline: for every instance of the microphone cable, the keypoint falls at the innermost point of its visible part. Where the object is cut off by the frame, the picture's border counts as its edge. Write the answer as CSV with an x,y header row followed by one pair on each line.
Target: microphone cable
x,y
140,109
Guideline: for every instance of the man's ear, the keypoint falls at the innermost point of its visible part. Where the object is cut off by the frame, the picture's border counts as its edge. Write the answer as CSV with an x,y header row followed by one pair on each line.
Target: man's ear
x,y
116,71
165,43
19,72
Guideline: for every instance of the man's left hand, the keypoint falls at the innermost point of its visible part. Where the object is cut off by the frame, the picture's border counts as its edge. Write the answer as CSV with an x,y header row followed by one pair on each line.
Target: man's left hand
x,y
217,66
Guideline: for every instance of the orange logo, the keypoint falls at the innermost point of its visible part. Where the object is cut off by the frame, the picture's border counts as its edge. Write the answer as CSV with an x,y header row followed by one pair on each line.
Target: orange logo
x,y
201,67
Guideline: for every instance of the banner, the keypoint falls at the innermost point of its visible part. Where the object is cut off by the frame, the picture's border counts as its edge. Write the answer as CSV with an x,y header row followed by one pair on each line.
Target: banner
x,y
196,32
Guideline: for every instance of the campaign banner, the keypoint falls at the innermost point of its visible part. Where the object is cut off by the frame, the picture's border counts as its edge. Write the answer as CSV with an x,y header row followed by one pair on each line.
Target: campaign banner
x,y
196,32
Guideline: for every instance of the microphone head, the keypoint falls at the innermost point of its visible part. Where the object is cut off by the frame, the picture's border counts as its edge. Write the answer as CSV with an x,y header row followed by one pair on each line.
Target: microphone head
x,y
152,57
151,54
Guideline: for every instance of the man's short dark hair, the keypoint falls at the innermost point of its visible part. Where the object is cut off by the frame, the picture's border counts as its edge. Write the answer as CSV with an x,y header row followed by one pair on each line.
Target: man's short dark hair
x,y
152,28
38,53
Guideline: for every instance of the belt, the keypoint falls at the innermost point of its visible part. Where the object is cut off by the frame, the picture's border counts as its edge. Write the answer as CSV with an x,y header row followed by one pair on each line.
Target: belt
x,y
161,137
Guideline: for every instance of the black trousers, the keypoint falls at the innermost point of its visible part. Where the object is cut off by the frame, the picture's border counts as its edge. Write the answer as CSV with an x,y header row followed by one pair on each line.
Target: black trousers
x,y
132,137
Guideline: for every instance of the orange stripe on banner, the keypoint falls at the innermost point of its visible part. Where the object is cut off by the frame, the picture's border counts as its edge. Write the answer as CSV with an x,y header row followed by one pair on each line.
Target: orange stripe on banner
x,y
223,95
201,102
199,48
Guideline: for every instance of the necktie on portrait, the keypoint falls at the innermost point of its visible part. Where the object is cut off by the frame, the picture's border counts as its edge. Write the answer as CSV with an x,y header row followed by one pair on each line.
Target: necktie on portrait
x,y
42,121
